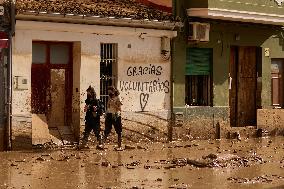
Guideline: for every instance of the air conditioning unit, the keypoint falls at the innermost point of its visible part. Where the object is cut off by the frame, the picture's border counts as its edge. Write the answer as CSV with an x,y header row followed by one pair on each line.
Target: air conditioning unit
x,y
199,31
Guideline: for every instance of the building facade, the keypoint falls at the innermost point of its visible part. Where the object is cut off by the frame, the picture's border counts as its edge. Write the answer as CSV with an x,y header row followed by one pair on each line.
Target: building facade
x,y
57,55
228,63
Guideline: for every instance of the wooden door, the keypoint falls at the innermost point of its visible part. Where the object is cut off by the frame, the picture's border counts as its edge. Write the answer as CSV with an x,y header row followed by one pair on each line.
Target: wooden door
x,y
277,83
246,106
56,113
243,86
40,85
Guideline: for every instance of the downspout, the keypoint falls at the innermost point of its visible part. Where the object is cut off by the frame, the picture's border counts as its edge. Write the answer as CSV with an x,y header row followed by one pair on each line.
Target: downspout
x,y
10,78
172,121
9,95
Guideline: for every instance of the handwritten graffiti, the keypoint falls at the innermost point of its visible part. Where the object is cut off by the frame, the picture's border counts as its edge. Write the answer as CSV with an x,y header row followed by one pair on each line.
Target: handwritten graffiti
x,y
144,70
145,86
143,100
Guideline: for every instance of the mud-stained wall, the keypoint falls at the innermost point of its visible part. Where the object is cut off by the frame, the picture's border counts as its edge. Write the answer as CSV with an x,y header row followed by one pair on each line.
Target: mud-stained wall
x,y
21,117
144,84
271,121
201,123
220,42
222,37
3,61
275,46
76,89
143,75
21,132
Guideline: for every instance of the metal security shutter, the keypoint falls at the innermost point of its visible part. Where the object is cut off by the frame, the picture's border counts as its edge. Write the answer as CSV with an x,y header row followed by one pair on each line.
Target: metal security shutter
x,y
198,61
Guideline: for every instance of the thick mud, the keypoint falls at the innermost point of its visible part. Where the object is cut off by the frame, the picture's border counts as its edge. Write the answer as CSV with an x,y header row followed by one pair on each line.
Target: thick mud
x,y
222,164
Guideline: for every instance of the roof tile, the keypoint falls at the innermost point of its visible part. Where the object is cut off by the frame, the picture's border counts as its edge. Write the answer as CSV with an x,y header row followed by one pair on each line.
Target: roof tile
x,y
102,8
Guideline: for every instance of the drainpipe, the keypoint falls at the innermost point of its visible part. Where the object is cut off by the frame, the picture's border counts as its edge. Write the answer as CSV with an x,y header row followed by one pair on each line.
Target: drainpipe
x,y
9,99
172,116
172,121
10,78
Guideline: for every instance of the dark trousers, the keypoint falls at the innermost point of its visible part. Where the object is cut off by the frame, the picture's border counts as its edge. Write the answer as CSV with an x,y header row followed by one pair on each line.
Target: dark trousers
x,y
115,120
92,124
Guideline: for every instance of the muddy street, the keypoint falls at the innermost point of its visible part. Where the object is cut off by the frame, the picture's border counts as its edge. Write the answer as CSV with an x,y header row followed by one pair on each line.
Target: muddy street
x,y
249,163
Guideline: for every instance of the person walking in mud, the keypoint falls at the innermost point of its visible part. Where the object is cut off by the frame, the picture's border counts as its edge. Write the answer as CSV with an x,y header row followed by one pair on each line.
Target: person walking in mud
x,y
94,109
113,115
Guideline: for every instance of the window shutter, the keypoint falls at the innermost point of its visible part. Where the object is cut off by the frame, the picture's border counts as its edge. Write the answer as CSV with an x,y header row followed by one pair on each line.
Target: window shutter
x,y
198,61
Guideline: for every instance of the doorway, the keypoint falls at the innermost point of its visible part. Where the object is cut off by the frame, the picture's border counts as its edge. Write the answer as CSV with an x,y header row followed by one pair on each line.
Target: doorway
x,y
243,86
51,82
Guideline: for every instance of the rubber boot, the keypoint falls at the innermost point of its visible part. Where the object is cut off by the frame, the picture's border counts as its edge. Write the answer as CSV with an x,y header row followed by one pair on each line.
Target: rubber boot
x,y
100,140
100,145
83,144
103,139
119,140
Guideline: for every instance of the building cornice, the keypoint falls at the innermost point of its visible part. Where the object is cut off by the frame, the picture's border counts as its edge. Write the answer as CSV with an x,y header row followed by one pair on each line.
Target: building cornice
x,y
236,15
92,29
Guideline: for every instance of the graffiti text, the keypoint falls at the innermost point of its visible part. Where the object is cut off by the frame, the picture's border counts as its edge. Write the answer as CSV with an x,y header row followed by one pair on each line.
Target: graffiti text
x,y
145,86
144,70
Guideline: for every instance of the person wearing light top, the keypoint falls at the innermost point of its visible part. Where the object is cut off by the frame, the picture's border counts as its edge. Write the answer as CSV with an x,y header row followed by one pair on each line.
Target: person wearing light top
x,y
113,115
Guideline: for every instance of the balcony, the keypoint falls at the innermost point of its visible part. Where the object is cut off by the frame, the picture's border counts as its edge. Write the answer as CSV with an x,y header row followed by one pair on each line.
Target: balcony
x,y
254,11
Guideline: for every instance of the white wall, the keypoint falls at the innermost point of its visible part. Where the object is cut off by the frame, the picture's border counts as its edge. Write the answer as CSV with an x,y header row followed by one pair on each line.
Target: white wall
x,y
143,78
134,51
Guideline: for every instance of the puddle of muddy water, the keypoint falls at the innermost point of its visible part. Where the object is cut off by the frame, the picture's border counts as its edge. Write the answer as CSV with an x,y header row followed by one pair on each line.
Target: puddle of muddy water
x,y
252,163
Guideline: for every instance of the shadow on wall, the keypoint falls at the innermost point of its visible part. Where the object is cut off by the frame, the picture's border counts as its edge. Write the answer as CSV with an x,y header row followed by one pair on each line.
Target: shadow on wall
x,y
42,133
21,142
281,39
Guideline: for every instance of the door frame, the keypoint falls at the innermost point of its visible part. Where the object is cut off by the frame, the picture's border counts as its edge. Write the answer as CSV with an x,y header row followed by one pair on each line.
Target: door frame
x,y
68,77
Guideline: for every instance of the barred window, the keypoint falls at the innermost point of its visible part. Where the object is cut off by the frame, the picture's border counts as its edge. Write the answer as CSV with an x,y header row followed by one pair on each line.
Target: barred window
x,y
198,78
108,69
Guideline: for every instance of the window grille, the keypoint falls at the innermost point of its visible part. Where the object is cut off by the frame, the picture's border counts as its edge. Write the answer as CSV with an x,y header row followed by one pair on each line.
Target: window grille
x,y
198,90
108,69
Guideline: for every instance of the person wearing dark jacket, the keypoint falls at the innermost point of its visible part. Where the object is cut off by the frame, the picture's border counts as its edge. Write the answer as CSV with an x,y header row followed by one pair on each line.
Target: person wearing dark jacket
x,y
94,110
